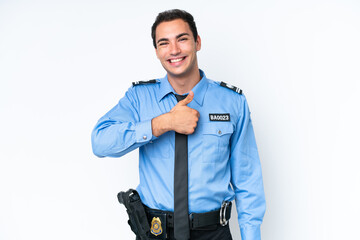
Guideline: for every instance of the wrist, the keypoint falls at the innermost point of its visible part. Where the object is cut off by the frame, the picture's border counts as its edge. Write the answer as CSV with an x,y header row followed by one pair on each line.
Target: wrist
x,y
161,124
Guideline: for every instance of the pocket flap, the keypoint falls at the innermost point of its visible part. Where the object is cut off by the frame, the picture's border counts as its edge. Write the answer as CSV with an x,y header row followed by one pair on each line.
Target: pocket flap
x,y
218,128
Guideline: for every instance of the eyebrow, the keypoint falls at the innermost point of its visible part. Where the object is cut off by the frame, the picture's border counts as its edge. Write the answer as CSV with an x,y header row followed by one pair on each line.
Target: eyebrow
x,y
177,37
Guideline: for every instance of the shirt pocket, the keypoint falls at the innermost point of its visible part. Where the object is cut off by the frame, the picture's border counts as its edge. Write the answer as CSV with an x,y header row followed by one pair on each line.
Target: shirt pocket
x,y
216,141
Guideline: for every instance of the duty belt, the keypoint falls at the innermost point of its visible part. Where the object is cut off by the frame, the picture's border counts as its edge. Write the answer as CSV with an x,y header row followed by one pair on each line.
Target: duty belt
x,y
197,220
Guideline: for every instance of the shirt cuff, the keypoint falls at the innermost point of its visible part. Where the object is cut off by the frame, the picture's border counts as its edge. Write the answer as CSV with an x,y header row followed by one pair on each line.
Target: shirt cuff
x,y
143,132
250,232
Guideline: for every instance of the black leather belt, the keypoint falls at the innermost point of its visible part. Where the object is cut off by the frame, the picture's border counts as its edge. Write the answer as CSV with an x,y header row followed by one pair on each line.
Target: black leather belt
x,y
197,220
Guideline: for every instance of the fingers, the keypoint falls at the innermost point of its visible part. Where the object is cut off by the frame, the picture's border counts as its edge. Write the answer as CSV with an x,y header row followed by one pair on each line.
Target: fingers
x,y
196,114
190,126
187,100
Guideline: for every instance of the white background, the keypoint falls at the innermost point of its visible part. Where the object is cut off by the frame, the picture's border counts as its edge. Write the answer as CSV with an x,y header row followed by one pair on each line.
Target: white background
x,y
63,64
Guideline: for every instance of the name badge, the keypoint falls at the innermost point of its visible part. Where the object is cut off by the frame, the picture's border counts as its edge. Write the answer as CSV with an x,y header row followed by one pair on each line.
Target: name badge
x,y
223,117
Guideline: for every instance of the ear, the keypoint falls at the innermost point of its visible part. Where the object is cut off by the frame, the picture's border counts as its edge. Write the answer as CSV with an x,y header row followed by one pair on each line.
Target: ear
x,y
198,43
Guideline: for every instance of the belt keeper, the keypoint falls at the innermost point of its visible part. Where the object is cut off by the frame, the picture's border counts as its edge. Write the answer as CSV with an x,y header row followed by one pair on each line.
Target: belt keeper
x,y
194,221
191,220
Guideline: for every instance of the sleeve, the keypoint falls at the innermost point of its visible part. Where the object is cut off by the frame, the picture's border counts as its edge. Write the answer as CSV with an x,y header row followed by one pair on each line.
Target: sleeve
x,y
120,130
246,176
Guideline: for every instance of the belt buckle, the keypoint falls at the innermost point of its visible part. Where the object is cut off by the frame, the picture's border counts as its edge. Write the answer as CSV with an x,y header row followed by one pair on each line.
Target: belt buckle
x,y
223,221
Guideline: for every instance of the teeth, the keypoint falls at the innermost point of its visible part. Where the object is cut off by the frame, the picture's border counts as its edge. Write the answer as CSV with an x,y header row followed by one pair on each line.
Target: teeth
x,y
176,60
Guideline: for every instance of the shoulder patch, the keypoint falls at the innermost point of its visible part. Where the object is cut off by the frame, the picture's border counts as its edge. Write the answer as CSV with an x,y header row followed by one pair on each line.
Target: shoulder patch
x,y
143,82
235,89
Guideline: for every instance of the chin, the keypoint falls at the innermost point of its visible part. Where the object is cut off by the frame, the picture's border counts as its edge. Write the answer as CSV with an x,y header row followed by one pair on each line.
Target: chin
x,y
177,74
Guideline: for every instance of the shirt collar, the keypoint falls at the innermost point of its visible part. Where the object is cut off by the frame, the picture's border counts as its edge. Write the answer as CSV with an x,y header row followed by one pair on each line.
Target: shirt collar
x,y
199,89
165,88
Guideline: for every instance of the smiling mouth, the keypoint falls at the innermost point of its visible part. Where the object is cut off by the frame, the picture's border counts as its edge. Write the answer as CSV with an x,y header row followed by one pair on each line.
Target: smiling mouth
x,y
176,60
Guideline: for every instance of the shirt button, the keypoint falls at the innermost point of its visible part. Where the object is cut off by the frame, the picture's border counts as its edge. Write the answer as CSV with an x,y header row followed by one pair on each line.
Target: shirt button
x,y
144,137
219,132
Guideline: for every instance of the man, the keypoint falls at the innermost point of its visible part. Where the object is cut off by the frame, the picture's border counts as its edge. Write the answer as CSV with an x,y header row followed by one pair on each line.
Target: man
x,y
197,149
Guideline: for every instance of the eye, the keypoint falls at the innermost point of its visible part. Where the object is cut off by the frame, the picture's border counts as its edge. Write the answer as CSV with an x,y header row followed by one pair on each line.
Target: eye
x,y
183,39
163,43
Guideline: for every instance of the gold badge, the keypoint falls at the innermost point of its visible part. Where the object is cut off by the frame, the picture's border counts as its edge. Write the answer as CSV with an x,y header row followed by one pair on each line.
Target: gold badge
x,y
156,228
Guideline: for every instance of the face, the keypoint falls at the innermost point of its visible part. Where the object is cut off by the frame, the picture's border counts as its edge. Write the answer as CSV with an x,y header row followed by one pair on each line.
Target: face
x,y
176,48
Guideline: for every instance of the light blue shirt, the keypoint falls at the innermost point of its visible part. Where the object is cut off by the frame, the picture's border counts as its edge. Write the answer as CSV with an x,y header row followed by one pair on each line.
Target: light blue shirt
x,y
223,158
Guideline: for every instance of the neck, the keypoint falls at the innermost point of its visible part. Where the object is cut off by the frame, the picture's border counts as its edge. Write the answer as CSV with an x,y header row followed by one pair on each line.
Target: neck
x,y
183,84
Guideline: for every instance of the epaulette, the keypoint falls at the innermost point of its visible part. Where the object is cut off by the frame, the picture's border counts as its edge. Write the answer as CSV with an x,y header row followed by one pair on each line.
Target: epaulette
x,y
235,89
143,82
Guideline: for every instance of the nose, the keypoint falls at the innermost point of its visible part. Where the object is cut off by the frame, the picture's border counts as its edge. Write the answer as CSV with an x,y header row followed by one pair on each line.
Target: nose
x,y
174,48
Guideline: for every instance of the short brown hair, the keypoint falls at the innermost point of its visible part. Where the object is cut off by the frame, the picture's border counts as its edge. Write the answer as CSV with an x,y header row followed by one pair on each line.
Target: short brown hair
x,y
170,15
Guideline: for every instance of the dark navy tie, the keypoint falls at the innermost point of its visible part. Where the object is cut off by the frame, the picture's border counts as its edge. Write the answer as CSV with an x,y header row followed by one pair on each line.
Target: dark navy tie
x,y
181,205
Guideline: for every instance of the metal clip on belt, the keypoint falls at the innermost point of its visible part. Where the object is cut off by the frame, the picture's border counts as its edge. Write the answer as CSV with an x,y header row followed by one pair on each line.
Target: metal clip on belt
x,y
224,206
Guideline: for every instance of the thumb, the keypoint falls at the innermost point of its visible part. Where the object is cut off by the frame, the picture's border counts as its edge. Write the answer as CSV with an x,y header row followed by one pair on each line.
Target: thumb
x,y
188,99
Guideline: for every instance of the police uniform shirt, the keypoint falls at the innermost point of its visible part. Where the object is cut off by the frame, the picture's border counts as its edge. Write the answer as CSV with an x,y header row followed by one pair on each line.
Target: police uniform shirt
x,y
223,161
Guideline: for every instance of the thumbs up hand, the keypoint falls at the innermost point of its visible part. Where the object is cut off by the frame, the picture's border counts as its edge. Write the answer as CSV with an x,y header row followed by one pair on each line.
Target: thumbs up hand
x,y
183,118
